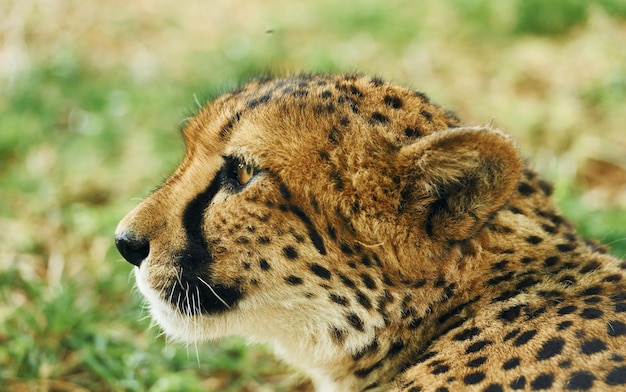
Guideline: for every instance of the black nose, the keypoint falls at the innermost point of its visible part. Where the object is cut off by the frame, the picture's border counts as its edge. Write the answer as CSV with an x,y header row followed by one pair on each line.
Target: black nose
x,y
132,248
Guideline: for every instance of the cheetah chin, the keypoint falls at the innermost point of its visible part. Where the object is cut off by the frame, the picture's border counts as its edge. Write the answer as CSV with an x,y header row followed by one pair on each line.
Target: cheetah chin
x,y
377,243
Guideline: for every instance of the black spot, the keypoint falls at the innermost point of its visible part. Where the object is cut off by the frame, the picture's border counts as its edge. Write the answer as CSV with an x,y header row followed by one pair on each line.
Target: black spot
x,y
511,335
300,93
264,264
549,228
474,378
284,191
290,252
331,232
395,349
428,116
518,383
263,240
564,325
441,369
620,307
355,321
551,261
551,348
393,101
415,322
533,239
347,281
591,313
363,300
370,348
566,310
477,362
546,187
618,297
516,210
590,266
543,381
511,363
412,133
379,118
476,347
567,280
617,376
534,313
555,295
334,136
592,346
345,248
505,296
362,373
613,278
616,328
368,281
227,128
314,236
525,189
566,247
494,388
592,290
510,314
424,357
421,96
439,282
524,338
499,279
466,334
320,271
456,310
338,299
376,81
293,280
326,94
338,335
592,300
580,381
500,265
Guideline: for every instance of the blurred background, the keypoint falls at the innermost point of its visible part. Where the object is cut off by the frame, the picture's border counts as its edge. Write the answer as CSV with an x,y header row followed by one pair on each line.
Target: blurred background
x,y
92,95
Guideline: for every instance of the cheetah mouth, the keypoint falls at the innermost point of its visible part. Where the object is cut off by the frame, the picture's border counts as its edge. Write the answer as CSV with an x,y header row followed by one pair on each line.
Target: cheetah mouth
x,y
188,293
195,295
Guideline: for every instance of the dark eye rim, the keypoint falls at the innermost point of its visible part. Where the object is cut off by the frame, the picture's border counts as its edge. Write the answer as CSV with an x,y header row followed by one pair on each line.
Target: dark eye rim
x,y
229,174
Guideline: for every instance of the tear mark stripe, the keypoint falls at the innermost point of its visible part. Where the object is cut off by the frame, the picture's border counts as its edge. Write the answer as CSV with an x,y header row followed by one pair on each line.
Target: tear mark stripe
x,y
315,237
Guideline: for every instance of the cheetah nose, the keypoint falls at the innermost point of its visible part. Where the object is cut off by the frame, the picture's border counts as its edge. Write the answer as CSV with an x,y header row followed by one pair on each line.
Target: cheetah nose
x,y
131,247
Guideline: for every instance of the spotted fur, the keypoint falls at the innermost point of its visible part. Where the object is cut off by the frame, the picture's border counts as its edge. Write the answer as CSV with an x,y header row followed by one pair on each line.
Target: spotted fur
x,y
377,244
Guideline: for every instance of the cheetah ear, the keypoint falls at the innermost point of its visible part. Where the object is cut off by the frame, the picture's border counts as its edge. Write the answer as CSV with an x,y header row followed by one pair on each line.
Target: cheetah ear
x,y
453,180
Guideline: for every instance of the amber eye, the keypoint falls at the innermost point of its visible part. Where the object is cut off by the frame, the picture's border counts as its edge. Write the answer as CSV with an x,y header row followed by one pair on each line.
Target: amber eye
x,y
236,174
245,172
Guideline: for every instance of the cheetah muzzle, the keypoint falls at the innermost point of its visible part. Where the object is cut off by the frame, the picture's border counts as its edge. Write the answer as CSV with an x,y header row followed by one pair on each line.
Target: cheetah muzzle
x,y
376,243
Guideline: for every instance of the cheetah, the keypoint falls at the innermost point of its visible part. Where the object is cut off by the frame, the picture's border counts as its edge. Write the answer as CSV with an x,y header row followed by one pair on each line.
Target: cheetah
x,y
376,243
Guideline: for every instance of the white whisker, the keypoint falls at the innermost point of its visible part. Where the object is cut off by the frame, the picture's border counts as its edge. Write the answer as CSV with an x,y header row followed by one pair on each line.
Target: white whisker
x,y
213,291
195,97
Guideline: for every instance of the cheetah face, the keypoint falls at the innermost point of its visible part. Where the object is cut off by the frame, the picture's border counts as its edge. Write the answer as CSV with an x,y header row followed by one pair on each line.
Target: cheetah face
x,y
299,200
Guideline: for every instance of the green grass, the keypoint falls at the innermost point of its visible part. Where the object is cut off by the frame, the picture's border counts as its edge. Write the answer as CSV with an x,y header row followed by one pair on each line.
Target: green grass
x,y
91,126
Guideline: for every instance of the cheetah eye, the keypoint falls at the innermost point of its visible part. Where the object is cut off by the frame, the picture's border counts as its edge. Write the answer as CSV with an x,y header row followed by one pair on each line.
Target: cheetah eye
x,y
236,174
245,172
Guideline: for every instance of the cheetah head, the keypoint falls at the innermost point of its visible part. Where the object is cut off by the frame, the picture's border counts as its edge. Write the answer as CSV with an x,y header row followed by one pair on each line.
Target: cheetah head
x,y
306,207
